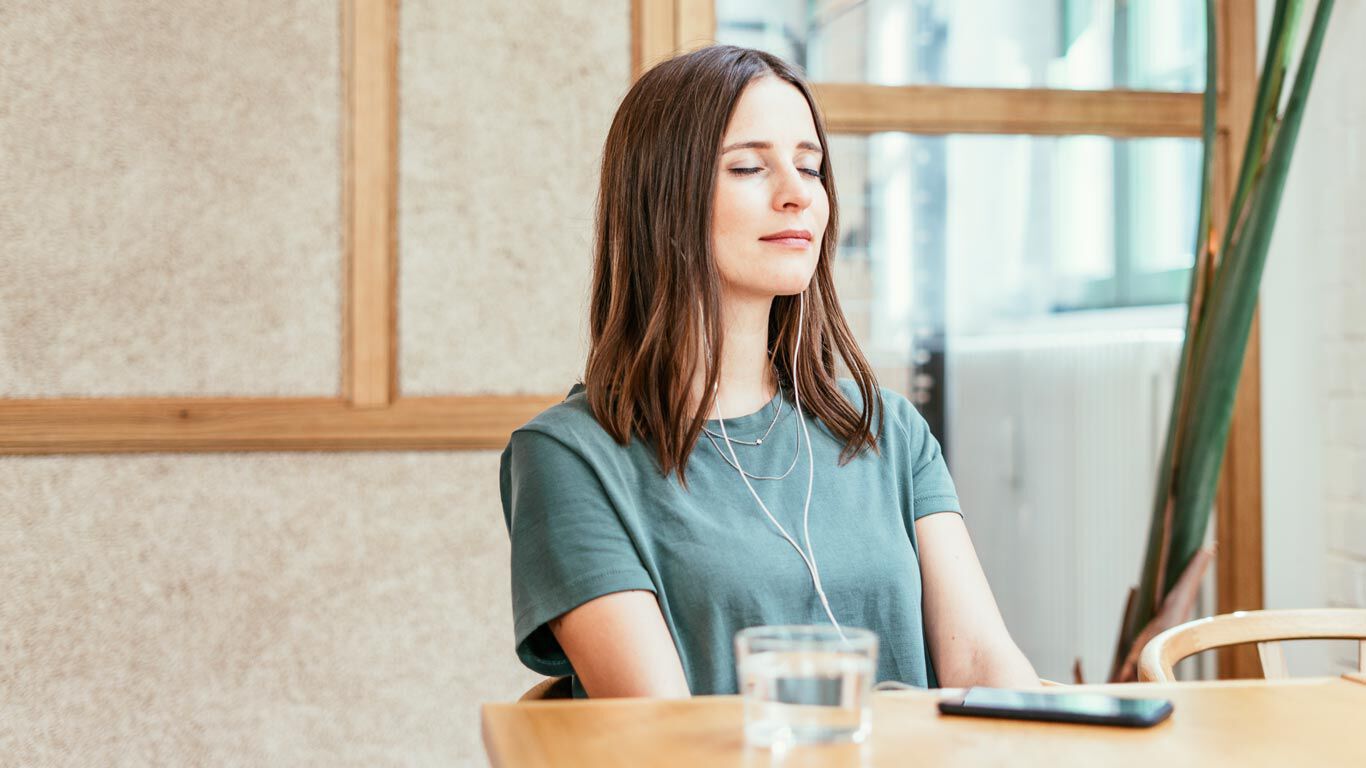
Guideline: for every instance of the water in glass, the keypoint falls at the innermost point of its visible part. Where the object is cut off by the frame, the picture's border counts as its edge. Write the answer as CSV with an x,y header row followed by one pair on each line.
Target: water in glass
x,y
805,685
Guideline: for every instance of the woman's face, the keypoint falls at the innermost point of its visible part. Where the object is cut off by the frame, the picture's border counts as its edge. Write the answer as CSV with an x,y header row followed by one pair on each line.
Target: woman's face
x,y
769,209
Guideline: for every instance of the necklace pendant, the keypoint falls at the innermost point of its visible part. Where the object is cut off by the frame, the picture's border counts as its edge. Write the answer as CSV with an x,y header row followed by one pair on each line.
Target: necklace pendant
x,y
760,441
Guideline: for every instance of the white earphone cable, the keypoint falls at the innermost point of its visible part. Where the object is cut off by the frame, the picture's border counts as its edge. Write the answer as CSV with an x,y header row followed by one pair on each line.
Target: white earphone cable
x,y
808,555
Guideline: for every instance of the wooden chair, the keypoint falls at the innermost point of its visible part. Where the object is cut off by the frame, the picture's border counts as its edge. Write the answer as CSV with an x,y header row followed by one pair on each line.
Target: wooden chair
x,y
550,688
1265,628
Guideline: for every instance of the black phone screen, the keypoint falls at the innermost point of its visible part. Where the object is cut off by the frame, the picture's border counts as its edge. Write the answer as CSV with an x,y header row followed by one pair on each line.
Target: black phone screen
x,y
1066,707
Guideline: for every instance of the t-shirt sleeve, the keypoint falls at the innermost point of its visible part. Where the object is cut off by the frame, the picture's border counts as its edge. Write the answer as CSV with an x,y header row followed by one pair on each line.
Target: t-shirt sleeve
x,y
568,544
934,489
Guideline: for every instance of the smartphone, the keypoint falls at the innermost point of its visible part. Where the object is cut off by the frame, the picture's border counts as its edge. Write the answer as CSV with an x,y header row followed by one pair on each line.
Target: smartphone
x,y
1089,708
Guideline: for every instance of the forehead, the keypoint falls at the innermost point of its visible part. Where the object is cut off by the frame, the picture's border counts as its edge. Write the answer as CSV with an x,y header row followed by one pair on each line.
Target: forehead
x,y
772,110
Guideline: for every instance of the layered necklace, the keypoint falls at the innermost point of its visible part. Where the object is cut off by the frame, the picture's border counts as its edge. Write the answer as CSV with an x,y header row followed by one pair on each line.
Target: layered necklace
x,y
713,437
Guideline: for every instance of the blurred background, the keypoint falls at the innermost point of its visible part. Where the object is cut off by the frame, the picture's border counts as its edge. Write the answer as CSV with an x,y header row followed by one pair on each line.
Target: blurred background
x,y
176,224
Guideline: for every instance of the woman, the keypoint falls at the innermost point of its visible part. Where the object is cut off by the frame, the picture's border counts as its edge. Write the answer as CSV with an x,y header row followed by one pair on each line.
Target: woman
x,y
687,489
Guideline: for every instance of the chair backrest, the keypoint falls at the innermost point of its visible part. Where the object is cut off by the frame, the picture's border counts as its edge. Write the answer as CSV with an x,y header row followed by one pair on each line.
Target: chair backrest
x,y
1265,628
550,688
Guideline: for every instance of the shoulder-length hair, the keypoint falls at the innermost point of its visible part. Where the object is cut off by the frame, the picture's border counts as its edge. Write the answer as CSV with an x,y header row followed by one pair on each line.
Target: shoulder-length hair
x,y
655,284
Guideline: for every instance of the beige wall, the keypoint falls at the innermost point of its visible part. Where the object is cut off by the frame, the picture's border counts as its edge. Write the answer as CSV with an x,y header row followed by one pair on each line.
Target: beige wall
x,y
502,136
169,197
1333,210
260,609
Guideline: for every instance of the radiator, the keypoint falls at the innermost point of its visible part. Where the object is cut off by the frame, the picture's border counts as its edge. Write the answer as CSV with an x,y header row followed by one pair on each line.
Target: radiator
x,y
1054,440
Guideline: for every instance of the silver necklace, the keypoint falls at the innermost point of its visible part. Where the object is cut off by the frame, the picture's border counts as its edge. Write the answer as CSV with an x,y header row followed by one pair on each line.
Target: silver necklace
x,y
760,441
795,454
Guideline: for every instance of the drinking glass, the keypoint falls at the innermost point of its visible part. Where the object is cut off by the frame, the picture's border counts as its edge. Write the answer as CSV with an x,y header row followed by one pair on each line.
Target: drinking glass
x,y
806,684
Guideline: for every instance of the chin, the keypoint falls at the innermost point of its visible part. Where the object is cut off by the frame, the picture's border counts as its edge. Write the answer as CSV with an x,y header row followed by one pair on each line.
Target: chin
x,y
795,280
775,288
791,290
787,279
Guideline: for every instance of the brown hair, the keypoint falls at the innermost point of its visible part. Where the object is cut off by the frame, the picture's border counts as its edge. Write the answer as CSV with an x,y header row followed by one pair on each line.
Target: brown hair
x,y
655,283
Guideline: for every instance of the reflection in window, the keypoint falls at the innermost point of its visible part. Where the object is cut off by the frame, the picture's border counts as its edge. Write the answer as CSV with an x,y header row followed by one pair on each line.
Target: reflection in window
x,y
990,231
957,257
1088,44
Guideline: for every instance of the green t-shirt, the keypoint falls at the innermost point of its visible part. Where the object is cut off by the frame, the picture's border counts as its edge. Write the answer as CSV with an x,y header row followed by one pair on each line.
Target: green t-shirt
x,y
588,517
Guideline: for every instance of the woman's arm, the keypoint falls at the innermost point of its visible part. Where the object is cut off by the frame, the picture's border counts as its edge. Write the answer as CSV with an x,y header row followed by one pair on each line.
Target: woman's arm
x,y
968,639
620,646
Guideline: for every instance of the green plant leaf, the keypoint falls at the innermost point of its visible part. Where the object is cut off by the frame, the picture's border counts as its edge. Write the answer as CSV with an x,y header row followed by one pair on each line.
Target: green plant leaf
x,y
1235,300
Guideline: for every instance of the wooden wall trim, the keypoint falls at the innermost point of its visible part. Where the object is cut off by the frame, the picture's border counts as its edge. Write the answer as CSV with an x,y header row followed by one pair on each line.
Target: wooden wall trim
x,y
694,24
653,33
370,201
663,28
137,425
928,109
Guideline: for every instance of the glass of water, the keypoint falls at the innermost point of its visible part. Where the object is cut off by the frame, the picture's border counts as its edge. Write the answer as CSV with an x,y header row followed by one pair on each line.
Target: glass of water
x,y
806,685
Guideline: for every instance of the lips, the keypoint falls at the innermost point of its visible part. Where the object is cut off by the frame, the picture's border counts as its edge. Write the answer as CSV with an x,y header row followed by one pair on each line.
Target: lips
x,y
796,238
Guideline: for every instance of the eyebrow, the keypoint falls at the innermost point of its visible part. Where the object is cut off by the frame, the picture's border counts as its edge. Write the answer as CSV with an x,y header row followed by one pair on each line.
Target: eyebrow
x,y
807,145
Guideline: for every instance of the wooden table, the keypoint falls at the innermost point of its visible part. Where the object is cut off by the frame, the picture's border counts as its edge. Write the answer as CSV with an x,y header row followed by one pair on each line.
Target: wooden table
x,y
1298,722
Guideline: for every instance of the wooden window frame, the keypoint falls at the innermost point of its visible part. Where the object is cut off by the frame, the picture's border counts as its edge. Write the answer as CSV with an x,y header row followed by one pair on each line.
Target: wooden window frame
x,y
370,415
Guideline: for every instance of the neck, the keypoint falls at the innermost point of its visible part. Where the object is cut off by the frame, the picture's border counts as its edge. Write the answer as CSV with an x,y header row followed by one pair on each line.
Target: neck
x,y
746,380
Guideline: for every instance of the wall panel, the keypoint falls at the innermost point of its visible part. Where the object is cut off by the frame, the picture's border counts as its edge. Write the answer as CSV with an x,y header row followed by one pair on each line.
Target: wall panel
x,y
504,108
169,199
252,609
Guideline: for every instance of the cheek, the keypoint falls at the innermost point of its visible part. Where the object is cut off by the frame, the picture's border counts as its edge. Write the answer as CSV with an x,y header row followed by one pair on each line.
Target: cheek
x,y
733,228
820,213
731,212
722,213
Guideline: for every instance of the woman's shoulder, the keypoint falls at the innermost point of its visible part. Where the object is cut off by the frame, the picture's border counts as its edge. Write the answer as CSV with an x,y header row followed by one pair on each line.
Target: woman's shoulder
x,y
567,440
892,400
896,410
569,421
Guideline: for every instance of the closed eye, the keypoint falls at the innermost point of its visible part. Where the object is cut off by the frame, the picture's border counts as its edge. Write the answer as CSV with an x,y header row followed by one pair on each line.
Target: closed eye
x,y
812,172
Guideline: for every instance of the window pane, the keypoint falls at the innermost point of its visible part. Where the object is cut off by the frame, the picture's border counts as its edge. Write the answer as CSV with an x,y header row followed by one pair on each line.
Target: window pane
x,y
972,235
962,262
1088,44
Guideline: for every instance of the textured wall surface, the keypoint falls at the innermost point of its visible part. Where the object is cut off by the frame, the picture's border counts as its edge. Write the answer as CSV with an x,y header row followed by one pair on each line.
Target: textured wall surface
x,y
505,107
254,609
1335,195
169,208
1314,355
169,198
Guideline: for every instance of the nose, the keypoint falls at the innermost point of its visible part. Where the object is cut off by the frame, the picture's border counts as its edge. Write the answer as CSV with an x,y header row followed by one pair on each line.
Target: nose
x,y
793,192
